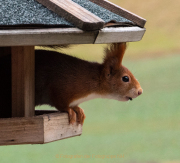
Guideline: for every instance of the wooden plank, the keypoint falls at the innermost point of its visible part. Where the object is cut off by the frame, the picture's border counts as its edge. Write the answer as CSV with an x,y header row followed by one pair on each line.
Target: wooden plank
x,y
23,82
128,34
74,13
21,131
120,11
56,127
38,129
57,36
52,36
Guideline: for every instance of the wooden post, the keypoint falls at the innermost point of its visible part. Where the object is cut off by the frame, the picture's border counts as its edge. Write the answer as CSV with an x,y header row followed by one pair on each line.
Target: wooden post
x,y
23,81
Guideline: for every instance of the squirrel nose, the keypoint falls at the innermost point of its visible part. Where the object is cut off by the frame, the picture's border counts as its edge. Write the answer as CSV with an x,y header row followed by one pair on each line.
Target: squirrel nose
x,y
140,91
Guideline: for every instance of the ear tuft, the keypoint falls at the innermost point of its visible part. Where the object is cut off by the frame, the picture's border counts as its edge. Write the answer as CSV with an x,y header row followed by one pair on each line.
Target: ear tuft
x,y
114,54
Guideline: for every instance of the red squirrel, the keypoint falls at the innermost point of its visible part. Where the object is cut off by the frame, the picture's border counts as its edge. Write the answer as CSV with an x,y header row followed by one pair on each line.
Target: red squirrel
x,y
64,81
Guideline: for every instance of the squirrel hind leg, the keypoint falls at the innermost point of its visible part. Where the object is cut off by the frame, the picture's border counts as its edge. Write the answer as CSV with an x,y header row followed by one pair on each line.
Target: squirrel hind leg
x,y
80,114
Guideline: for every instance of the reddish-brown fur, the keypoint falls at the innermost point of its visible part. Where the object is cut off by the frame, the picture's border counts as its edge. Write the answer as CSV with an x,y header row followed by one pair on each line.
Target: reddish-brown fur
x,y
62,79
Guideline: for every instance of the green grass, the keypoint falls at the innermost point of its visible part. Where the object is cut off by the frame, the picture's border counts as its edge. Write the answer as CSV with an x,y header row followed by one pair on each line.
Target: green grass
x,y
146,129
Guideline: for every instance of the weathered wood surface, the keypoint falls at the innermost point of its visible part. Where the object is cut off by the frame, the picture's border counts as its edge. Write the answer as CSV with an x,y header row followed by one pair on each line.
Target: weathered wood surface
x,y
38,129
56,126
57,36
126,34
74,13
120,11
23,81
21,130
52,36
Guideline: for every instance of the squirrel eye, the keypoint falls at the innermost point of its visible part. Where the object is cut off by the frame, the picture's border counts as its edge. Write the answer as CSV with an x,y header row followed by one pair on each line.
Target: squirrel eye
x,y
125,78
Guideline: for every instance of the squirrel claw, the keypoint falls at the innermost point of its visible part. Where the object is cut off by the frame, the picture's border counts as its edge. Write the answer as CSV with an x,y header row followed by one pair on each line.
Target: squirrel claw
x,y
80,115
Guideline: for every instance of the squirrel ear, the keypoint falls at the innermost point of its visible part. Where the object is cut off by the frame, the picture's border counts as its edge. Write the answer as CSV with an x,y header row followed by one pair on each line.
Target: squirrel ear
x,y
114,54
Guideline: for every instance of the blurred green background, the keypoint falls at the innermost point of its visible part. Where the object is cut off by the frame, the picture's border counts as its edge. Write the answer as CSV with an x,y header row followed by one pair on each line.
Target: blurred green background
x,y
146,129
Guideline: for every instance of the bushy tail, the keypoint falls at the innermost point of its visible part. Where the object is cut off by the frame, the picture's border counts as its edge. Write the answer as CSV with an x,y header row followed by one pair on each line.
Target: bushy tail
x,y
57,46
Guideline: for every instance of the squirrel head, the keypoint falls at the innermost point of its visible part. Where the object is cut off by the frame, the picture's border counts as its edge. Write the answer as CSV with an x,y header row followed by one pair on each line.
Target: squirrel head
x,y
117,82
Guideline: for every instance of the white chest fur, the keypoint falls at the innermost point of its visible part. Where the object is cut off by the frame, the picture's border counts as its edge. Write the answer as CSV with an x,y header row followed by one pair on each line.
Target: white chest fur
x,y
90,97
81,100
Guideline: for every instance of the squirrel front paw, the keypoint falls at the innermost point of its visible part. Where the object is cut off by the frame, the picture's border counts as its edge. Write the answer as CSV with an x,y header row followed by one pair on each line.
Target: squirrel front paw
x,y
80,114
76,114
72,116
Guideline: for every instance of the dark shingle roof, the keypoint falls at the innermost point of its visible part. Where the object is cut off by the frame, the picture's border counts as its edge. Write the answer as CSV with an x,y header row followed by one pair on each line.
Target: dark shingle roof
x,y
28,12
63,18
32,13
101,12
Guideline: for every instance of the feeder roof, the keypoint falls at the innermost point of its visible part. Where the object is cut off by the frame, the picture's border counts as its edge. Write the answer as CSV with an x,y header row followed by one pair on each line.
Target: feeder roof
x,y
67,22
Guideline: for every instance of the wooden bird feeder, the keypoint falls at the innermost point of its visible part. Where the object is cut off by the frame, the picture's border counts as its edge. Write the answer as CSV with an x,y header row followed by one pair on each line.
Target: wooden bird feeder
x,y
19,122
